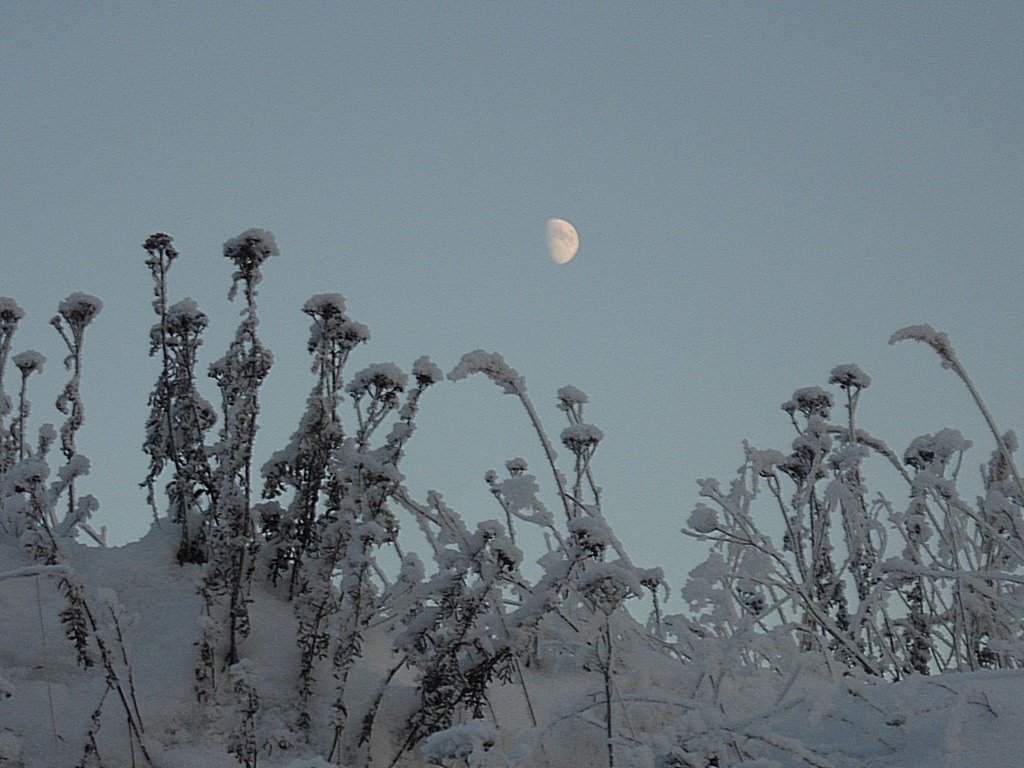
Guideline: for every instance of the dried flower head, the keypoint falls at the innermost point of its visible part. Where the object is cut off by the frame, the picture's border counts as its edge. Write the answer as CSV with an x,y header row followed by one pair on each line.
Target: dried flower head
x,y
426,372
10,314
849,377
581,439
160,243
79,309
29,362
569,396
810,401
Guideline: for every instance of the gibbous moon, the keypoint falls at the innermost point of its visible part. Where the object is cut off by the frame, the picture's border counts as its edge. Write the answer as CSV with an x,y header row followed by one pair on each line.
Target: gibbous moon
x,y
563,240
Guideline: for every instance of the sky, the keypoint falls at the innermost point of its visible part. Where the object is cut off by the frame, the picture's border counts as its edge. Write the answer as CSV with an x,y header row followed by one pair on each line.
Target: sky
x,y
762,192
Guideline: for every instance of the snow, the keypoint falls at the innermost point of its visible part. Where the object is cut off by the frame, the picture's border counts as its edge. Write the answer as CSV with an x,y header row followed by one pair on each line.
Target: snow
x,y
492,365
333,636
10,312
972,719
29,361
80,308
849,376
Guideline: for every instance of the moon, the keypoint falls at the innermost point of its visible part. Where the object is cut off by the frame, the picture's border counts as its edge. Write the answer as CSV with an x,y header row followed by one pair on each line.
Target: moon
x,y
563,240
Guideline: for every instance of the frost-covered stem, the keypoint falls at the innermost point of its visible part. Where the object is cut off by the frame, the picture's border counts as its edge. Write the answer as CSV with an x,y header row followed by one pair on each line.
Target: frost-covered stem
x,y
76,311
28,363
10,314
1000,442
549,452
239,375
23,411
942,346
242,740
76,592
606,669
161,253
796,540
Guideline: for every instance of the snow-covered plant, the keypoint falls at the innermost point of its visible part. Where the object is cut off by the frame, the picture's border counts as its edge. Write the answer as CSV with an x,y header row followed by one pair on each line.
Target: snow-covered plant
x,y
74,315
302,467
455,639
605,587
10,314
239,374
475,744
242,739
856,580
493,366
27,363
179,416
357,521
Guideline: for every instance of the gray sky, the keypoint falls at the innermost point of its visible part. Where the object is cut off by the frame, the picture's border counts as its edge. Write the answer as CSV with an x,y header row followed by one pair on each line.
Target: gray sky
x,y
762,191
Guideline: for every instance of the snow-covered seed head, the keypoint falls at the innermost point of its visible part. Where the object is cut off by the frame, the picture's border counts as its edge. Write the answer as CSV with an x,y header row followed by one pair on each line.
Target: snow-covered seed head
x,y
425,372
516,466
928,450
28,473
810,401
251,248
590,534
703,519
381,377
927,335
160,242
10,314
79,309
494,367
581,439
185,318
29,362
849,376
569,396
324,305
608,585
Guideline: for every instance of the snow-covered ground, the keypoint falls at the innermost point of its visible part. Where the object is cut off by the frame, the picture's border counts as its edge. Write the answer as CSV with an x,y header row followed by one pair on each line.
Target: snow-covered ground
x,y
974,719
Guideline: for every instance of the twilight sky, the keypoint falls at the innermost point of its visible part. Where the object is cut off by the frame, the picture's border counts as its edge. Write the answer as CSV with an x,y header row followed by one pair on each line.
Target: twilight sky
x,y
762,191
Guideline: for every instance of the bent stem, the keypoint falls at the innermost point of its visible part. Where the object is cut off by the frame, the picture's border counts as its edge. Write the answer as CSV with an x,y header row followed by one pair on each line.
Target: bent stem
x,y
548,450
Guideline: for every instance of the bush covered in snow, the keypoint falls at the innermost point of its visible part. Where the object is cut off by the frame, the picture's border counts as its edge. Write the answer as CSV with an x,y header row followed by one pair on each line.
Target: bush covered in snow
x,y
274,617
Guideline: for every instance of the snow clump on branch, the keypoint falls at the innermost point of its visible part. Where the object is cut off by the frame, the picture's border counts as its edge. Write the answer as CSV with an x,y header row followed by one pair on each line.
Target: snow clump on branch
x,y
10,312
29,361
849,376
79,309
494,367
